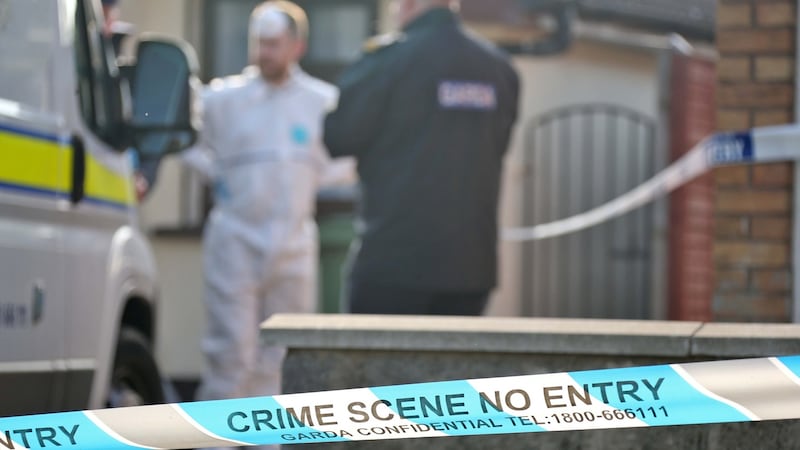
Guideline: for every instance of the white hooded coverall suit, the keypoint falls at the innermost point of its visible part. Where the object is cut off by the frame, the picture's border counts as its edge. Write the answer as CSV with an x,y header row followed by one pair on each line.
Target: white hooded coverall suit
x,y
261,147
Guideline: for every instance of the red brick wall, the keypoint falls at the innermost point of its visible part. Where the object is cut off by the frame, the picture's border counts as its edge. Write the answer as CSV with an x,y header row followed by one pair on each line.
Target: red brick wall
x,y
753,204
691,208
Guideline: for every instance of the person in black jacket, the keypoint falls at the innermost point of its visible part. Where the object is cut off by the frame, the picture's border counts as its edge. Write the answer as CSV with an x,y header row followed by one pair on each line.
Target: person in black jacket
x,y
428,113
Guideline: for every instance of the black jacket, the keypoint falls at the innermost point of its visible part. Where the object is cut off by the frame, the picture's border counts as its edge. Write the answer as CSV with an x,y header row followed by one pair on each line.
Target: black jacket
x,y
428,114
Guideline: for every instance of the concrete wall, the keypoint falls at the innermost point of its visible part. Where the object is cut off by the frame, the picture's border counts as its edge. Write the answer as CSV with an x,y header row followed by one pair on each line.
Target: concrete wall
x,y
341,352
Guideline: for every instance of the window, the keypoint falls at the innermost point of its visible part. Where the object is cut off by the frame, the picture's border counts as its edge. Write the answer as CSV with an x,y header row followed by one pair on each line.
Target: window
x,y
26,38
337,30
226,23
97,73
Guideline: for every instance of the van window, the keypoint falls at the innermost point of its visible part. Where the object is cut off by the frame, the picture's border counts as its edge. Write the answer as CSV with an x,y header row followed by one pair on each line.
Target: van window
x,y
27,33
96,70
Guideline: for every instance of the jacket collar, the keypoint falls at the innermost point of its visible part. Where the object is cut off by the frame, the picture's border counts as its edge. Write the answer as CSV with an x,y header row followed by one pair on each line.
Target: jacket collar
x,y
434,18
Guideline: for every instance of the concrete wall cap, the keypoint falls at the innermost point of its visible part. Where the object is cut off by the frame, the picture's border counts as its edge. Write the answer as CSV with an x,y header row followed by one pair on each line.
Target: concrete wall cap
x,y
742,340
481,334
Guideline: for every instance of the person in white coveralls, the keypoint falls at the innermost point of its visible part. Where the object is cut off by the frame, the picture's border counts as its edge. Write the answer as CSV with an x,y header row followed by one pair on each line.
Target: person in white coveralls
x,y
261,148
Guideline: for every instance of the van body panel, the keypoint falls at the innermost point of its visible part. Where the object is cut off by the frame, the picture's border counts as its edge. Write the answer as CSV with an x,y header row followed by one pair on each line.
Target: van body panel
x,y
66,267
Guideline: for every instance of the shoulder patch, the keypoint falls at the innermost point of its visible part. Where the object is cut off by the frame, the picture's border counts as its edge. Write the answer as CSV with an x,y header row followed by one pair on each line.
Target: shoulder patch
x,y
380,41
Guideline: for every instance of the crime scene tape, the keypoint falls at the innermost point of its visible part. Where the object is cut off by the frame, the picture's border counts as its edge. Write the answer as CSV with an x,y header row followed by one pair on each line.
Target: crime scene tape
x,y
679,394
763,144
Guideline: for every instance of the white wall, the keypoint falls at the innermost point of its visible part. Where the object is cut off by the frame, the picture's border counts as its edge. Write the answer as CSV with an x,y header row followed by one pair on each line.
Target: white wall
x,y
181,312
589,72
165,17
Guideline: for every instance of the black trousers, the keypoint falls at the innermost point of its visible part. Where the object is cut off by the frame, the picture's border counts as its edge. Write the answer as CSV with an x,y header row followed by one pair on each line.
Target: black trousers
x,y
370,298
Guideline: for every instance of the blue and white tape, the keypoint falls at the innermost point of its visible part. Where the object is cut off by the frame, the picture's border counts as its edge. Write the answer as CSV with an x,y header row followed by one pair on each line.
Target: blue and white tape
x,y
759,145
678,394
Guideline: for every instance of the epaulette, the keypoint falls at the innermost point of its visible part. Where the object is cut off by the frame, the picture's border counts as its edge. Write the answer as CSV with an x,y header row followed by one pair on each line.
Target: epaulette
x,y
380,41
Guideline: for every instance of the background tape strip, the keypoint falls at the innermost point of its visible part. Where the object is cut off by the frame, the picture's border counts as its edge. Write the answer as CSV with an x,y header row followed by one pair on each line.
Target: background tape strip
x,y
678,394
765,144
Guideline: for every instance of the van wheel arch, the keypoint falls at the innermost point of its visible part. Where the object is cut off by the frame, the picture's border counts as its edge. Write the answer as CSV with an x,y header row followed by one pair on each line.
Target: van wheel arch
x,y
139,314
135,378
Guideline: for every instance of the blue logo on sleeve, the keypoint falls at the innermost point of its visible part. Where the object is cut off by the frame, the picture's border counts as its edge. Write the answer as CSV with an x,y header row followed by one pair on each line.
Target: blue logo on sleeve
x,y
221,191
300,135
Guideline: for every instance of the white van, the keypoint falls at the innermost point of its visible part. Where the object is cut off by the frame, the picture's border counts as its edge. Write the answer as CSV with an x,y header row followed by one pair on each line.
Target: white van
x,y
77,278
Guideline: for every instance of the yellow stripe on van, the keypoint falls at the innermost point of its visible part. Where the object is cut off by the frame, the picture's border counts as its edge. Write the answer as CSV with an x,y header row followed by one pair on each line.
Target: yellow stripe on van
x,y
106,185
36,163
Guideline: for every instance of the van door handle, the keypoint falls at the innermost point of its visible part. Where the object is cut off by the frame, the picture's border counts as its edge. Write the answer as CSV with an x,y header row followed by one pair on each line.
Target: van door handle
x,y
38,298
77,190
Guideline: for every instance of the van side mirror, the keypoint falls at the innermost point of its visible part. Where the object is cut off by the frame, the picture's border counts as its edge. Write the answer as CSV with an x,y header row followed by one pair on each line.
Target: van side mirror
x,y
165,94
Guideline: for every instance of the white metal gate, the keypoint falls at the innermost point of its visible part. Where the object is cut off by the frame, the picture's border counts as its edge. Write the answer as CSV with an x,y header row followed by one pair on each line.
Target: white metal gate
x,y
579,157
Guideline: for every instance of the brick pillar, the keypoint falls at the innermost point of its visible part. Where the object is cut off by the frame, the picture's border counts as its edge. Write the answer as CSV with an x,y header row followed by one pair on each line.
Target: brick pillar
x,y
753,206
691,208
